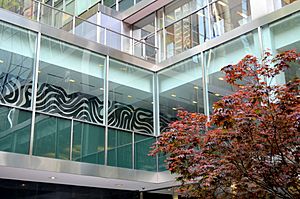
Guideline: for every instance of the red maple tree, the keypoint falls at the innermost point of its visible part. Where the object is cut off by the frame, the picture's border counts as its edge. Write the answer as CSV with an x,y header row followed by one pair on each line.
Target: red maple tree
x,y
250,148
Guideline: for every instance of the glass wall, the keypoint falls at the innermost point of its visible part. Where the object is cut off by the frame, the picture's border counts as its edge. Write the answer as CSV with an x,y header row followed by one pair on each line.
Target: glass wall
x,y
119,150
142,146
229,14
52,137
228,53
71,81
15,128
130,98
281,36
88,143
17,53
180,88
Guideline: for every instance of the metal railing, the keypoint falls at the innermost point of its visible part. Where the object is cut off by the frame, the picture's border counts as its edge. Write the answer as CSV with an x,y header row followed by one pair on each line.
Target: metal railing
x,y
45,14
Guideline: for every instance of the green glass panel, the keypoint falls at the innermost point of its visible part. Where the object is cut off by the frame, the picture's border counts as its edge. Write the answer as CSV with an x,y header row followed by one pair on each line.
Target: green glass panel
x,y
142,146
88,143
15,128
52,137
161,162
119,148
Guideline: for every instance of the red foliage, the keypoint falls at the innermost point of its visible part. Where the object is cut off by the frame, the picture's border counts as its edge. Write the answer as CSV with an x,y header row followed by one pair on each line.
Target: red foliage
x,y
251,146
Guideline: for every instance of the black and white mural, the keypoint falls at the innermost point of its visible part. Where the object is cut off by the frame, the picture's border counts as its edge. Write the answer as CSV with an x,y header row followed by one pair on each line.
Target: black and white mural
x,y
54,99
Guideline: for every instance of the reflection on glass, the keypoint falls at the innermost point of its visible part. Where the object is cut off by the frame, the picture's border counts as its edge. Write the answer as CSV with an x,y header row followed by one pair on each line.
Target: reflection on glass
x,y
119,152
88,143
113,39
70,81
142,147
229,53
15,128
125,4
86,29
281,36
130,98
52,137
179,9
227,15
180,88
16,65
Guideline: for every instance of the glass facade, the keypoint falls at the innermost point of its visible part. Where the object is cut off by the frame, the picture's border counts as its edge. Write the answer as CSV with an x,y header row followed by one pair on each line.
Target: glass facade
x,y
58,100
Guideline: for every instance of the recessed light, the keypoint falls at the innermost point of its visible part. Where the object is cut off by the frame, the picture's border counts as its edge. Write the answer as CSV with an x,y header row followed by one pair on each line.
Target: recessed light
x,y
194,102
169,189
129,96
196,87
72,81
39,71
174,109
173,95
221,78
152,102
102,89
217,94
100,65
52,177
1,61
23,185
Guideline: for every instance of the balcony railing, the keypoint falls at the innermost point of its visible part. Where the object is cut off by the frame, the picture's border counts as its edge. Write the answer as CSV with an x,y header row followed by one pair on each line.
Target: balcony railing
x,y
59,19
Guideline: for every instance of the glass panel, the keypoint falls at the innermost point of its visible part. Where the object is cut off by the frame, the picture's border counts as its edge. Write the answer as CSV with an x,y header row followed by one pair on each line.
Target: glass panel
x,y
15,128
227,15
70,81
52,137
161,163
26,8
55,18
130,98
113,39
199,26
229,53
119,150
142,147
181,8
88,143
17,52
125,4
109,3
86,29
180,87
281,36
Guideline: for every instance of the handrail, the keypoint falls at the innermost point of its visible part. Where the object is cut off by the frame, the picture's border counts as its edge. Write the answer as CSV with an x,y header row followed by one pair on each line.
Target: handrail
x,y
71,15
72,19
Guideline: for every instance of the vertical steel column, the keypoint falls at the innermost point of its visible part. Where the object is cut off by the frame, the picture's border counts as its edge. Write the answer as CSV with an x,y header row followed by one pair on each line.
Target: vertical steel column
x,y
38,12
156,124
164,53
133,151
155,38
260,40
34,89
117,5
105,106
71,138
204,82
98,27
209,20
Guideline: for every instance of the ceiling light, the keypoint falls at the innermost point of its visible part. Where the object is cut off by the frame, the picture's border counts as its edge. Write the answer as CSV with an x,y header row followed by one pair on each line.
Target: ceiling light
x,y
170,17
129,96
173,95
194,102
100,65
174,109
242,14
23,185
222,3
169,189
221,78
1,61
217,94
152,102
52,177
102,89
196,87
72,81
39,71
123,69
